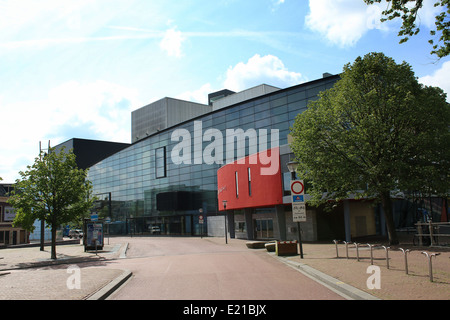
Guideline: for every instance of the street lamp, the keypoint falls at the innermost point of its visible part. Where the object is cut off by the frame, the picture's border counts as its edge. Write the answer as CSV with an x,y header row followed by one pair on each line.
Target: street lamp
x,y
292,167
224,202
200,220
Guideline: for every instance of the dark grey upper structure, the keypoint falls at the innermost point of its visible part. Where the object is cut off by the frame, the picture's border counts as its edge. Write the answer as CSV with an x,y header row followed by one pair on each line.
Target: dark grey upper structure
x,y
89,152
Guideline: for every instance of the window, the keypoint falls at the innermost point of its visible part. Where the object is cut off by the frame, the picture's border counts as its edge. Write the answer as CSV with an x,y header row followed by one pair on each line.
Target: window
x,y
249,182
160,162
237,183
240,227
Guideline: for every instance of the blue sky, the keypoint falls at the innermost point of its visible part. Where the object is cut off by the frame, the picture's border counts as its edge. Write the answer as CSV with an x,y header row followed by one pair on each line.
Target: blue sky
x,y
78,68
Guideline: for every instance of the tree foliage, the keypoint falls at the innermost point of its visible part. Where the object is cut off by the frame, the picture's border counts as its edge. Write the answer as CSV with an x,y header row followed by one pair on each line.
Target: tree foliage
x,y
408,11
53,189
376,131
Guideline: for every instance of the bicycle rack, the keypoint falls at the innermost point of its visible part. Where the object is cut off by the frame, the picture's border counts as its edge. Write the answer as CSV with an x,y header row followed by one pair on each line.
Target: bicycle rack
x,y
357,252
371,253
336,243
405,253
346,248
430,267
387,255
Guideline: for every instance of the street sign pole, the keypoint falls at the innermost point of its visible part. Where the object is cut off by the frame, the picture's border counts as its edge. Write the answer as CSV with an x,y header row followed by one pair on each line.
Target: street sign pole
x,y
298,207
300,240
200,221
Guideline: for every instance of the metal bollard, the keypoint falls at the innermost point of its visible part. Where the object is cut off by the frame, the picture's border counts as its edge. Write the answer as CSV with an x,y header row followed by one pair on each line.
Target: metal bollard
x,y
406,259
357,252
430,267
387,255
371,253
346,248
336,243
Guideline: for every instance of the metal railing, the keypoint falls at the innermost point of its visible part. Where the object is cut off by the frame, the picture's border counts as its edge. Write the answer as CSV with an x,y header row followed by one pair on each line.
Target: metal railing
x,y
430,233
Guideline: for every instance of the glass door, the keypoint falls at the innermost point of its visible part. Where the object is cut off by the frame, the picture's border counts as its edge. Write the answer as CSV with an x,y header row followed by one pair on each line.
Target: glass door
x,y
264,228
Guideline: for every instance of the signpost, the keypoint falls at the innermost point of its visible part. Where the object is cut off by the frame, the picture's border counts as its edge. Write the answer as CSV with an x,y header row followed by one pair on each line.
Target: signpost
x,y
108,222
298,207
200,221
298,201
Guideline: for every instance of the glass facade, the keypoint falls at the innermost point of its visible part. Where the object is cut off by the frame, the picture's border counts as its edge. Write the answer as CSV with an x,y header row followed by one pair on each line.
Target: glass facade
x,y
152,191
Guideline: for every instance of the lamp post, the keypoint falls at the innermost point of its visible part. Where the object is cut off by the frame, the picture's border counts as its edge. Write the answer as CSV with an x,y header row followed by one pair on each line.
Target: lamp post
x,y
200,220
224,202
292,167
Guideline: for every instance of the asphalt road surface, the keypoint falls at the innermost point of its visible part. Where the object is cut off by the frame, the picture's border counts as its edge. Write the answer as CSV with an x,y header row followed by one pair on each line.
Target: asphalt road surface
x,y
182,268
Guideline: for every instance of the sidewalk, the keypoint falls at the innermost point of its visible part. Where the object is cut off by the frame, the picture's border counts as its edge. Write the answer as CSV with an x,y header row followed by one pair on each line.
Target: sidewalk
x,y
30,274
395,284
349,276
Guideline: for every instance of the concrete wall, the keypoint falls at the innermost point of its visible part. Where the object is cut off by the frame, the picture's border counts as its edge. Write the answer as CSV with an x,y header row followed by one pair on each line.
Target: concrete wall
x,y
162,114
216,226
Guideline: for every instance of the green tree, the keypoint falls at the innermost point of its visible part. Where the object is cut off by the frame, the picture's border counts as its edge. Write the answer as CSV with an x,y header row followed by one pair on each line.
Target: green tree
x,y
53,189
408,11
377,131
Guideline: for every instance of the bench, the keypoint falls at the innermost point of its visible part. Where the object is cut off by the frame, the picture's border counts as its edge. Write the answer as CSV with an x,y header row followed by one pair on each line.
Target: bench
x,y
255,244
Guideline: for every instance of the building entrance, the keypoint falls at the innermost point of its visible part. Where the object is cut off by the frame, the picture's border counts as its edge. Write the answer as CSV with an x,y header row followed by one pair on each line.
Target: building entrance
x,y
186,225
263,228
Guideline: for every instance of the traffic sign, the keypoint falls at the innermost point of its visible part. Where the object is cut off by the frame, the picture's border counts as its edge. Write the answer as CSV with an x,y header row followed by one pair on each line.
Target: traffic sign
x,y
297,187
200,219
94,217
298,212
298,201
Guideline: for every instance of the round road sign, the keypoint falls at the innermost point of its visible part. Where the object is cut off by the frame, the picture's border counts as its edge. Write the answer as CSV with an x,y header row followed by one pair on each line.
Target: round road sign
x,y
297,187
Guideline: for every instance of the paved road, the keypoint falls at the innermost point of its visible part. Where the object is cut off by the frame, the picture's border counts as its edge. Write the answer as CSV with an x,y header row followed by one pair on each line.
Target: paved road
x,y
198,269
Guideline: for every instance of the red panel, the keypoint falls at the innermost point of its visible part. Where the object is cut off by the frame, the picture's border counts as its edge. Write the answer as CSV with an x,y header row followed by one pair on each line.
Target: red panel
x,y
266,185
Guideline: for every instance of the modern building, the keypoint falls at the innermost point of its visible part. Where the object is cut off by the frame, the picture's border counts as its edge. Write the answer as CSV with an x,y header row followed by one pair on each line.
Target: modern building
x,y
9,235
170,174
185,159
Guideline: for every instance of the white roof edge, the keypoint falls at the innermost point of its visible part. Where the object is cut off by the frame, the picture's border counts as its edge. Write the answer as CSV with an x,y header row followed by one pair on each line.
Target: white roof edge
x,y
243,95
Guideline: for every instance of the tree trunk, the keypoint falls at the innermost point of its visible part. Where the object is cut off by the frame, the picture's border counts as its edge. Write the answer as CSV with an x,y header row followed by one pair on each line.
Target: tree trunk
x,y
53,241
388,214
42,234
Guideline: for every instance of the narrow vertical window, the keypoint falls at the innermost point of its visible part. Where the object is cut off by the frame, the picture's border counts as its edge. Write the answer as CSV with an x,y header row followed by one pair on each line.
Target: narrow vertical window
x,y
160,162
237,183
249,182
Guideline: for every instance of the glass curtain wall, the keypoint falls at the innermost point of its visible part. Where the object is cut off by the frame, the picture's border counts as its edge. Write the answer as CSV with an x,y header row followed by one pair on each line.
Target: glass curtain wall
x,y
151,193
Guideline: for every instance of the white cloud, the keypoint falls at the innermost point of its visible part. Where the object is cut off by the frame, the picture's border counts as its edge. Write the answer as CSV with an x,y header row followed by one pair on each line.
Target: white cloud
x,y
276,4
171,42
199,95
98,110
102,105
258,70
266,69
426,16
439,79
343,22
